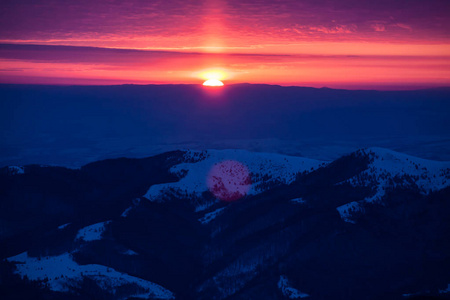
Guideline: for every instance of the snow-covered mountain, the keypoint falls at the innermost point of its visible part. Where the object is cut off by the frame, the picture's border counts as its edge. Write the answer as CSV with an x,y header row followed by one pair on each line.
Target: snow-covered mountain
x,y
266,170
152,228
389,170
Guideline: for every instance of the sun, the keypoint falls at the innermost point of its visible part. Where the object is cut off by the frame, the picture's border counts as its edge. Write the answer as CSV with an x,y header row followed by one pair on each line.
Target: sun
x,y
213,77
213,82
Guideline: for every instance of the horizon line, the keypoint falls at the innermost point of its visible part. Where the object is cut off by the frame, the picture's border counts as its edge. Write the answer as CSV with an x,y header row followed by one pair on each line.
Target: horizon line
x,y
404,88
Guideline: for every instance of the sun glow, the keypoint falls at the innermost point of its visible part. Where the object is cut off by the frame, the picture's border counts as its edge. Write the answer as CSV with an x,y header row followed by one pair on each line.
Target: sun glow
x,y
213,77
213,82
213,74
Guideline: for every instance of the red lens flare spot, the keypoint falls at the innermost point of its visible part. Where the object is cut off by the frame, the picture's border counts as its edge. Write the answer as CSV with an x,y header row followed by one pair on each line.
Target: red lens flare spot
x,y
229,180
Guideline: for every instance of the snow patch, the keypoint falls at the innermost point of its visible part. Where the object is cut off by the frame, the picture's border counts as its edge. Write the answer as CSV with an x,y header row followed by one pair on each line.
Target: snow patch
x,y
63,226
347,210
422,294
298,200
129,252
126,212
63,274
288,291
92,232
446,291
377,196
16,170
208,217
410,295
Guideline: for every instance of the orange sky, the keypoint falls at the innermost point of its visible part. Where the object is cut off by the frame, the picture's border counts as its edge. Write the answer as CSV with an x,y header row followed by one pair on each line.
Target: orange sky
x,y
345,44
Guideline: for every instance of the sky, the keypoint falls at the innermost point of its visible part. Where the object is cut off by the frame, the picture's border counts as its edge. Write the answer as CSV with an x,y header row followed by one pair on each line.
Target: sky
x,y
356,44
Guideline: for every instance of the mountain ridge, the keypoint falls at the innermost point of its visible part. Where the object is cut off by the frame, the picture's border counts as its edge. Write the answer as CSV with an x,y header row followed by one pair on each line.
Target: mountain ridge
x,y
252,247
439,88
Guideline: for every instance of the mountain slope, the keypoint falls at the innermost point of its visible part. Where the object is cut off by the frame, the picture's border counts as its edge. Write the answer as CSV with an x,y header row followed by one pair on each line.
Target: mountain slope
x,y
390,170
266,171
286,239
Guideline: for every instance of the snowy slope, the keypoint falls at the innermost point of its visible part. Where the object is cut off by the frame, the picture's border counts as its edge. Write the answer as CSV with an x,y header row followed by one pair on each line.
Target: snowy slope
x,y
288,291
127,211
92,232
298,201
208,217
445,291
63,273
61,227
389,169
235,248
16,170
266,169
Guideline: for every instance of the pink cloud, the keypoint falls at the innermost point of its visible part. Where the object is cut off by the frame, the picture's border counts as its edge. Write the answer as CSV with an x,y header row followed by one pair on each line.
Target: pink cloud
x,y
87,65
404,26
177,23
378,27
335,29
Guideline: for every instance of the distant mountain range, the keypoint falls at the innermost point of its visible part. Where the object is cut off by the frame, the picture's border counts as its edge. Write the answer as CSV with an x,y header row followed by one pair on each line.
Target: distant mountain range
x,y
75,125
372,224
